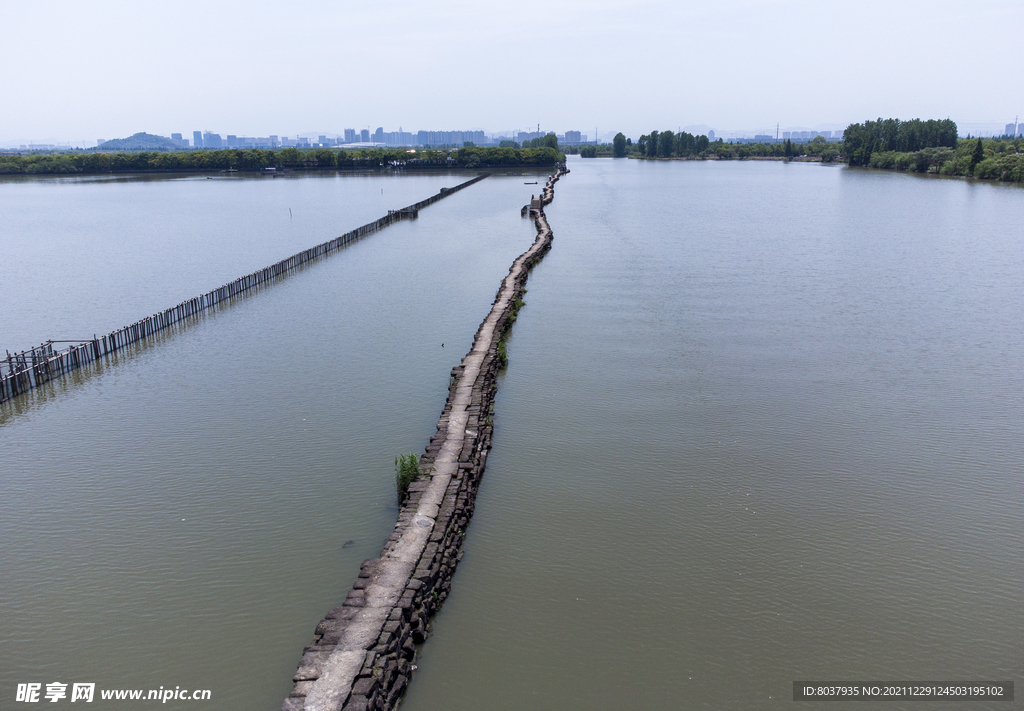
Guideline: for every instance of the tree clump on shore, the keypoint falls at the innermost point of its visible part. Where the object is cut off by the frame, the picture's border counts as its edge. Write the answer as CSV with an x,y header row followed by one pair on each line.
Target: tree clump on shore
x,y
255,159
860,140
932,147
668,145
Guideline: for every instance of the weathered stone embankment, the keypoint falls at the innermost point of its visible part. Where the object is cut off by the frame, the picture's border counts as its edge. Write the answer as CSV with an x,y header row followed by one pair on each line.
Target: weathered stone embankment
x,y
362,651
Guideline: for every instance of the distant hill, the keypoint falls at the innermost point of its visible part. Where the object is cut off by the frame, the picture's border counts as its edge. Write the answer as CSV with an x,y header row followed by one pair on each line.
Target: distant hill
x,y
139,142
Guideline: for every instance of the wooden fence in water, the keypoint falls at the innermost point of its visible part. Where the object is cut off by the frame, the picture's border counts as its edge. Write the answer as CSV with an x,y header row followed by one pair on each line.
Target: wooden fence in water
x,y
35,366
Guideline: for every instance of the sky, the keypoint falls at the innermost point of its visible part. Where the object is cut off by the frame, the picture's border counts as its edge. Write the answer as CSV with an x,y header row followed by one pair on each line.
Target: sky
x,y
76,71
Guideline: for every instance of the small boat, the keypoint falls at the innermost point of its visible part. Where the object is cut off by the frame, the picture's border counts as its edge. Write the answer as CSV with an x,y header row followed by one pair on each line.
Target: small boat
x,y
533,183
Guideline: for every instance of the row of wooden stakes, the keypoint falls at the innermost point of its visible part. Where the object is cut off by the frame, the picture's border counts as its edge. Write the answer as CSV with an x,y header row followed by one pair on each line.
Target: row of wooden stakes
x,y
36,366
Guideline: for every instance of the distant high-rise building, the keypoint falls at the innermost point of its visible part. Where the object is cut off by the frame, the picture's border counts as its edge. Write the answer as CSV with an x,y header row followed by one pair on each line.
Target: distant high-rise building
x,y
441,138
212,140
572,137
197,139
1011,130
364,135
711,135
176,137
350,135
232,141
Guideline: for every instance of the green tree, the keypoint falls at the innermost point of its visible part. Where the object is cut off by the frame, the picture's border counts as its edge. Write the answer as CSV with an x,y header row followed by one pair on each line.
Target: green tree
x,y
619,145
652,144
325,158
666,144
978,155
788,149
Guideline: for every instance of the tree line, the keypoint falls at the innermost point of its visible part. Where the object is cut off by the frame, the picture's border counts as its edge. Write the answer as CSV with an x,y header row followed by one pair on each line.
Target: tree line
x,y
666,144
932,147
987,159
860,140
258,159
916,145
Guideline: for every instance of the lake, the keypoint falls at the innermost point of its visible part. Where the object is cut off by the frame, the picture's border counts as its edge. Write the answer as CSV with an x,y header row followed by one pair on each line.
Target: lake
x,y
761,423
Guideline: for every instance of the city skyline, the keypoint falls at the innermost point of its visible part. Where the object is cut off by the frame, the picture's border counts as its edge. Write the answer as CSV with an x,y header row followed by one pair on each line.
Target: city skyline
x,y
736,66
569,137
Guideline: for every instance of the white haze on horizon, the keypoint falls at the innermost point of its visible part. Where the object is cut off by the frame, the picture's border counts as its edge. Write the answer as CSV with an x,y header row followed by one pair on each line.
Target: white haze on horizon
x,y
80,71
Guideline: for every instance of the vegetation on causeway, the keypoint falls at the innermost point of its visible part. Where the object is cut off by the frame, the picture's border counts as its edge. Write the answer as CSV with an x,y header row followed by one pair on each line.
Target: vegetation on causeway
x,y
513,314
407,468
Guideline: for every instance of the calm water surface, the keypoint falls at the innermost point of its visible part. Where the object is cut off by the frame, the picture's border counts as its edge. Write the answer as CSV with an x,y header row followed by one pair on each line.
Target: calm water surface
x,y
185,516
761,422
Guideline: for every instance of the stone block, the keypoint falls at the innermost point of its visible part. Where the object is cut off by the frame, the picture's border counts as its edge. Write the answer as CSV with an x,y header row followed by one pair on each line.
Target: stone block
x,y
302,688
398,687
308,673
331,627
364,686
356,703
293,703
341,613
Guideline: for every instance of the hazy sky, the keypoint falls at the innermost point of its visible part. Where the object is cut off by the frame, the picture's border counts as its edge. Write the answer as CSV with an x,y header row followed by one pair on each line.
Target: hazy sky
x,y
107,69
